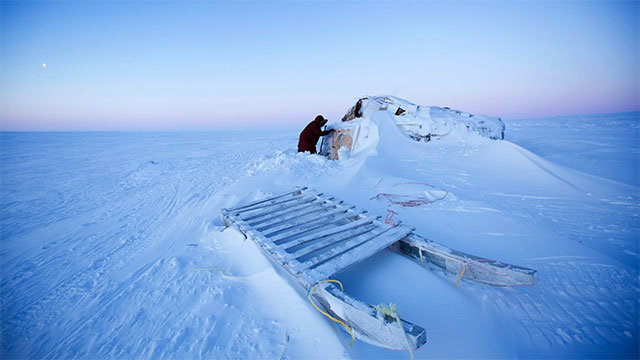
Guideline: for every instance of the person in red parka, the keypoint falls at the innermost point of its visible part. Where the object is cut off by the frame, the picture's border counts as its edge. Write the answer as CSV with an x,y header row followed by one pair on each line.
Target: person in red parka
x,y
311,133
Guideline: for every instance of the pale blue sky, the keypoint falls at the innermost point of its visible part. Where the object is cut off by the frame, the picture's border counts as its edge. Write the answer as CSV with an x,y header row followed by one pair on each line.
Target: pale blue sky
x,y
208,65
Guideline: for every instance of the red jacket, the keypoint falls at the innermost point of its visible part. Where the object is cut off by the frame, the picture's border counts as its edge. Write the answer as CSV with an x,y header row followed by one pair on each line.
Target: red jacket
x,y
310,135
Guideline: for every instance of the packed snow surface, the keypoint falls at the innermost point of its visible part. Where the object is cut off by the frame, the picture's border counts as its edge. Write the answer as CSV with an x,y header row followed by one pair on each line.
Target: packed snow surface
x,y
111,245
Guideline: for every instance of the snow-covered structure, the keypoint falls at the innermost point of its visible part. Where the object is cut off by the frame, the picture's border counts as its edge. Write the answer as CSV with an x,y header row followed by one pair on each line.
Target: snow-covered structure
x,y
420,123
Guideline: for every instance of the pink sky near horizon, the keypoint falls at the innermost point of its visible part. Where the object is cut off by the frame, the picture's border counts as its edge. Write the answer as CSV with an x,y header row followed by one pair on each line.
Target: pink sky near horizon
x,y
220,65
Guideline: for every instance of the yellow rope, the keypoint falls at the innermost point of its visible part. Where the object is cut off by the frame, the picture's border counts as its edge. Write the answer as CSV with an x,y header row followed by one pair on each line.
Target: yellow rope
x,y
324,313
461,272
406,338
464,265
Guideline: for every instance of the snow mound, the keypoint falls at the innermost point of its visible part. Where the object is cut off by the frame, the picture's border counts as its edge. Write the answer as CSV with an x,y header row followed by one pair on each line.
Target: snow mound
x,y
426,123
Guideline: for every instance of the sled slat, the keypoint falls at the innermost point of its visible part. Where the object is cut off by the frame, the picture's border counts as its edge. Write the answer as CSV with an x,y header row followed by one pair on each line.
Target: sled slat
x,y
356,240
327,232
261,201
290,216
333,239
276,205
334,213
314,225
358,249
268,215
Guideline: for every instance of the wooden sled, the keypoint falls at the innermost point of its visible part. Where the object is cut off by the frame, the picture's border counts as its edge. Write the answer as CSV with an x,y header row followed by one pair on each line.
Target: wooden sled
x,y
313,237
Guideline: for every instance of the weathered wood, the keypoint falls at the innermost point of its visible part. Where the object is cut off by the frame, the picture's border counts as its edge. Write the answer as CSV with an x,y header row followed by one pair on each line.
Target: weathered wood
x,y
280,209
313,226
296,190
354,241
332,240
286,218
275,205
331,213
477,269
366,323
340,258
326,232
269,215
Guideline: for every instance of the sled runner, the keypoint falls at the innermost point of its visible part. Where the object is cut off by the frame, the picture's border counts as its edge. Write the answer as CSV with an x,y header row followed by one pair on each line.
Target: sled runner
x,y
313,237
470,267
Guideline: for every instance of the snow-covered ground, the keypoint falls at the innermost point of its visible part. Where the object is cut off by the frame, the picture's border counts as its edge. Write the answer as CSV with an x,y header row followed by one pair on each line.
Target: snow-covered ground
x,y
111,245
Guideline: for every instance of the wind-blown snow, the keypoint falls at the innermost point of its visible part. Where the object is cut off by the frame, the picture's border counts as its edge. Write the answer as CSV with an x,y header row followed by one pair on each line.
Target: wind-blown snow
x,y
112,246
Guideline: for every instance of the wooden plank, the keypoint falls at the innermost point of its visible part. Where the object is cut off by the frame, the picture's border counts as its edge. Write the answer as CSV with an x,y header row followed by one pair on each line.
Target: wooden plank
x,y
276,204
292,216
258,212
303,220
310,226
323,233
357,240
333,239
314,224
298,190
285,210
352,252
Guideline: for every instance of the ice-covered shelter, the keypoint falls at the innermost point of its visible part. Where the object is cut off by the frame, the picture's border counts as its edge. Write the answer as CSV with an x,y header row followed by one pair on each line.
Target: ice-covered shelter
x,y
420,123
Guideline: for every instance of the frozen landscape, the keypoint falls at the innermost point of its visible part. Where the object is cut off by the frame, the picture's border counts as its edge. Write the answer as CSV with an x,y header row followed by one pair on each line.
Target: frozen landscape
x,y
112,246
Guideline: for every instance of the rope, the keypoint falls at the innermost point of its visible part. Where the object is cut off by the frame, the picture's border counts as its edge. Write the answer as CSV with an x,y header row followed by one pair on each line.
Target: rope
x,y
286,341
461,273
324,313
387,219
406,338
392,311
413,201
